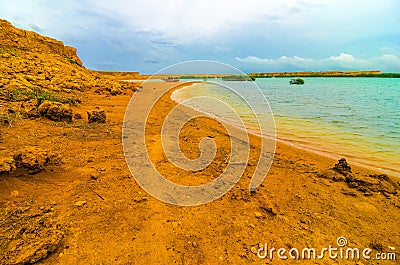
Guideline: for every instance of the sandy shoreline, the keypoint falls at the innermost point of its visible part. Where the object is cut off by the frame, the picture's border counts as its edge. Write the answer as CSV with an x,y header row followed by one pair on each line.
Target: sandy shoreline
x,y
295,174
307,147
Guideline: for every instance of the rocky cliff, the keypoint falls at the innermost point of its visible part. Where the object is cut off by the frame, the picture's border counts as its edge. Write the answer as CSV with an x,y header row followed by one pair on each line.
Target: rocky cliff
x,y
30,62
12,38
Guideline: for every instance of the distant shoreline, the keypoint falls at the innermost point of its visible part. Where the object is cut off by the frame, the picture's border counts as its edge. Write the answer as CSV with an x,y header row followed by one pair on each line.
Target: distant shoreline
x,y
375,73
137,76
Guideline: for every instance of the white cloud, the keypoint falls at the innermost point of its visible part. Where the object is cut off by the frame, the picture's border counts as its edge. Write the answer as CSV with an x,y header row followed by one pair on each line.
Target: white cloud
x,y
343,58
201,20
136,32
189,21
385,63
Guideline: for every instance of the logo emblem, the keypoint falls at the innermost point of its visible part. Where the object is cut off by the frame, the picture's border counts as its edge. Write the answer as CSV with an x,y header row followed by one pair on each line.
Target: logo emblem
x,y
228,112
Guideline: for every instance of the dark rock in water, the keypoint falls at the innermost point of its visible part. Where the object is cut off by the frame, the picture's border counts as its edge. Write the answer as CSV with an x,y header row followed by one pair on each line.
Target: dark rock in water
x,y
297,81
98,116
342,167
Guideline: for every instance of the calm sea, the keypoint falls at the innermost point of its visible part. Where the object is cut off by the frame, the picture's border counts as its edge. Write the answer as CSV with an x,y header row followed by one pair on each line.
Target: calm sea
x,y
357,118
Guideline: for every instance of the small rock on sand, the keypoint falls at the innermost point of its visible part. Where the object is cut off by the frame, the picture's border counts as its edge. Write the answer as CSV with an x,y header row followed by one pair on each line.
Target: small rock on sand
x,y
254,249
80,203
258,214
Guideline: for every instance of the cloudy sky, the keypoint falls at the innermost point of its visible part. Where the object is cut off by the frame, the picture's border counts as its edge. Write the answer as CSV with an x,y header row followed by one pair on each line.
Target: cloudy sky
x,y
252,35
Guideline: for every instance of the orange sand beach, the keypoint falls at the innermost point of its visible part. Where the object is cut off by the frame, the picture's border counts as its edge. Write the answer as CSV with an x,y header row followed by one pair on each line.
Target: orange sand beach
x,y
104,216
68,197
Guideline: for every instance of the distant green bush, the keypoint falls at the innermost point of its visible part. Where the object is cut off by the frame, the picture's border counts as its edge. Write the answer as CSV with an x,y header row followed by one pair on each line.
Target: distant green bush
x,y
237,78
297,81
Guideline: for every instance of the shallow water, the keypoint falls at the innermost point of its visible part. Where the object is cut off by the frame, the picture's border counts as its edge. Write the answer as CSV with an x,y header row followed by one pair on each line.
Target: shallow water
x,y
358,118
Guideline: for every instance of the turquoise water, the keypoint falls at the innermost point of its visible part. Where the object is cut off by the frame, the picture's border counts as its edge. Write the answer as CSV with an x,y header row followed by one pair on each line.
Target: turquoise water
x,y
358,118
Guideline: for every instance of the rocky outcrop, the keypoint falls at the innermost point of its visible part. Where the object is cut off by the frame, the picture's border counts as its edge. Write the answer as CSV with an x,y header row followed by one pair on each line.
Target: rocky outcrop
x,y
32,159
30,233
342,167
55,111
341,172
14,39
98,116
40,77
30,62
7,164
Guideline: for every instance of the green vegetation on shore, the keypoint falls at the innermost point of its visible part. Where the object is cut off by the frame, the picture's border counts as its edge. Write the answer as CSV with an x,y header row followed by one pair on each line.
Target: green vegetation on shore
x,y
253,76
237,78
18,94
195,77
297,81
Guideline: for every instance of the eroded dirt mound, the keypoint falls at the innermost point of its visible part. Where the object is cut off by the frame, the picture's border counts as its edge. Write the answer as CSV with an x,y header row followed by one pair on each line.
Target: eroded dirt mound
x,y
56,111
34,68
29,233
98,116
33,159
